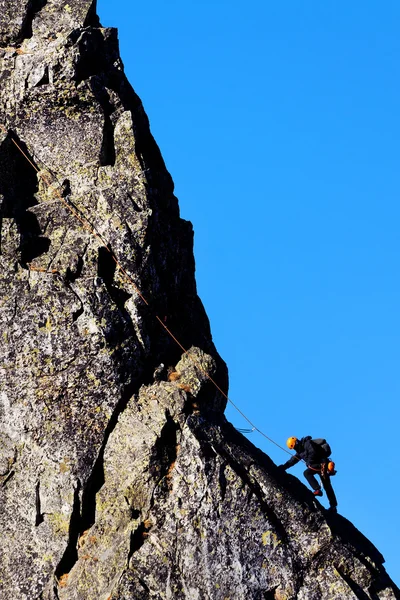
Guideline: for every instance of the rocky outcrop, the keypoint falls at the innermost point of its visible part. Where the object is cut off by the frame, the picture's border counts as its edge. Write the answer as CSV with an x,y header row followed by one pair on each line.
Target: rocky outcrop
x,y
117,481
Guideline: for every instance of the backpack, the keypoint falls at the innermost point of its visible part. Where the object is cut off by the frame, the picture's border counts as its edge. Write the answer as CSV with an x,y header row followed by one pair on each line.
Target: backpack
x,y
323,446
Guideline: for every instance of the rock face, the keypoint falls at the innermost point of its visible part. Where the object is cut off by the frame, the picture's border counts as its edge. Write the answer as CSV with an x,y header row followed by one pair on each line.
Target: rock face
x,y
116,481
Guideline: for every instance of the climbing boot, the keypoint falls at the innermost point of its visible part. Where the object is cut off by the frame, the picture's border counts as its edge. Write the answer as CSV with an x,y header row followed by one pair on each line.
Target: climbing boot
x,y
318,493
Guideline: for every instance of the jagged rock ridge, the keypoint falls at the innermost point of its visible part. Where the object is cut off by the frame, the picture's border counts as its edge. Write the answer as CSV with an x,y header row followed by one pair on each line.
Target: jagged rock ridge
x,y
115,485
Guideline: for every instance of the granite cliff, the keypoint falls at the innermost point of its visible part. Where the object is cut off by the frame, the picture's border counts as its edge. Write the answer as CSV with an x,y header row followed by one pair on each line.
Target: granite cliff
x,y
118,482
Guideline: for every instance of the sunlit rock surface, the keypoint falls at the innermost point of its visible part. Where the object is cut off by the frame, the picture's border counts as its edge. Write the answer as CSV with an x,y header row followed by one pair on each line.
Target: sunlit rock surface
x,y
115,483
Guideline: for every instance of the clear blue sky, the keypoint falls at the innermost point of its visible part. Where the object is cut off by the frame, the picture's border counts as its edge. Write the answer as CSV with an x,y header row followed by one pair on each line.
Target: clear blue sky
x,y
279,122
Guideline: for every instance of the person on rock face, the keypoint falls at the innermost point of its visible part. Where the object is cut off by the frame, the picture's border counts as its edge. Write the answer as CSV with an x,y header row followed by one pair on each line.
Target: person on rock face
x,y
313,454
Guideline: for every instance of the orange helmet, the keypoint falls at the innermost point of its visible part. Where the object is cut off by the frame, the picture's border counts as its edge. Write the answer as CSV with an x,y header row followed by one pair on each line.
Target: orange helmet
x,y
291,442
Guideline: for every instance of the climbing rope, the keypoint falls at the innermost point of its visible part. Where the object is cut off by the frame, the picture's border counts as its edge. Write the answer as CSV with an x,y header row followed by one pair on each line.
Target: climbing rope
x,y
89,227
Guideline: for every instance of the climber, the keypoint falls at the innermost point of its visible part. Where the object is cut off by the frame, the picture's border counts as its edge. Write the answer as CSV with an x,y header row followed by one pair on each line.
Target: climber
x,y
315,453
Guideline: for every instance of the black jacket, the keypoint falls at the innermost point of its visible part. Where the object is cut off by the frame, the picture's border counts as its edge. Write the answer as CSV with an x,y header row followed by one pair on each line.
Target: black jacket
x,y
306,450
